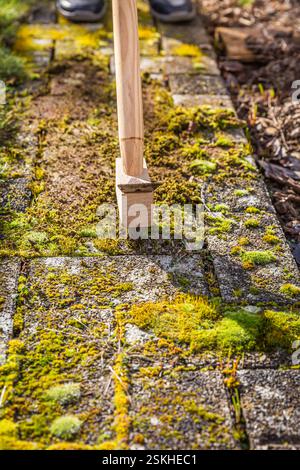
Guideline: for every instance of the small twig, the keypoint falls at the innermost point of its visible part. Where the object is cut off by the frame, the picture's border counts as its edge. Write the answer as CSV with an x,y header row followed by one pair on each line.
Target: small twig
x,y
107,385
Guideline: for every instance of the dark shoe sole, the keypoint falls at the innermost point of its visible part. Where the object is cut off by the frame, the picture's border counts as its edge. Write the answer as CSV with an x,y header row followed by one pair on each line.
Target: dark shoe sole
x,y
82,16
175,17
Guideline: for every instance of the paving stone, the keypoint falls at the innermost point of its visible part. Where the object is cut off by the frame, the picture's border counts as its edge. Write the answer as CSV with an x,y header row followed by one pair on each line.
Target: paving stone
x,y
151,65
9,273
149,47
152,277
215,102
43,14
238,195
257,360
15,195
179,410
196,85
195,34
263,283
204,65
271,407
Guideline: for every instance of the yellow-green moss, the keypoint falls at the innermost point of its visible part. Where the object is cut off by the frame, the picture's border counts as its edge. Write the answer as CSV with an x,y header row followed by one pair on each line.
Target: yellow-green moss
x,y
66,427
8,428
69,446
290,290
241,192
219,224
64,394
187,50
252,223
258,258
281,329
252,210
270,236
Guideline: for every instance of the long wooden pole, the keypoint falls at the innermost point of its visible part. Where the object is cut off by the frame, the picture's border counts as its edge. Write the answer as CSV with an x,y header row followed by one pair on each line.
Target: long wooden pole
x,y
129,88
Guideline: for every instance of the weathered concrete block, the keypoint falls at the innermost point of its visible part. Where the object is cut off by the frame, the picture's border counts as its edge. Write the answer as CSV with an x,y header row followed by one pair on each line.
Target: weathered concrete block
x,y
195,33
271,406
204,65
261,282
215,102
179,410
196,85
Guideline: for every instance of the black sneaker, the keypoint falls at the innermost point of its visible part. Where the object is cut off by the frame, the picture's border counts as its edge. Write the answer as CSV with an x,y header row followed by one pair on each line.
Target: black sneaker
x,y
173,11
82,10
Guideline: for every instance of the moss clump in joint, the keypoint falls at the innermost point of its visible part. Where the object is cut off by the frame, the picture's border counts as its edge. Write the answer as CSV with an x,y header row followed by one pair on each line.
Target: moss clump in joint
x,y
66,427
64,394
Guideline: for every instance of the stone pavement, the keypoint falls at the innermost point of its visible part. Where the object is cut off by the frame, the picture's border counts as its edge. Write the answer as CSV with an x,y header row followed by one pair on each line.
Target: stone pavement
x,y
112,317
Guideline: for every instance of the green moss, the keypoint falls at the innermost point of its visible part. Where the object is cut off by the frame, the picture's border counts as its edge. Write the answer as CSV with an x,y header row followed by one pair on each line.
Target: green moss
x,y
7,443
203,166
281,329
88,233
66,427
187,50
201,118
252,223
241,192
270,236
220,225
238,331
64,394
223,208
176,320
258,258
244,241
178,192
11,66
224,141
8,428
69,446
290,290
252,210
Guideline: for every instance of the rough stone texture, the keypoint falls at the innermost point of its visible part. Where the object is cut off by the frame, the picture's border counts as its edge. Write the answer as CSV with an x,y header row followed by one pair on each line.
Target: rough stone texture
x,y
271,406
14,195
236,282
214,102
152,277
196,85
9,273
205,65
176,34
179,410
227,193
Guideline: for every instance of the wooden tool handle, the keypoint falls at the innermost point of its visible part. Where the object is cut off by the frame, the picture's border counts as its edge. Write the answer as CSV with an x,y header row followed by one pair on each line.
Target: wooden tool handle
x,y
129,87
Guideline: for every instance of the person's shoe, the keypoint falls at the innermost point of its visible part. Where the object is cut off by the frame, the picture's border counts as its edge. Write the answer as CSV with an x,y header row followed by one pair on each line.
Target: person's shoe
x,y
82,10
173,11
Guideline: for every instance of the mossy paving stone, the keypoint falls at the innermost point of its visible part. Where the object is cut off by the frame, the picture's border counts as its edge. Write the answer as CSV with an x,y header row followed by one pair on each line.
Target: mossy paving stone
x,y
260,283
238,195
178,410
196,85
271,404
65,330
194,34
204,65
192,100
9,273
